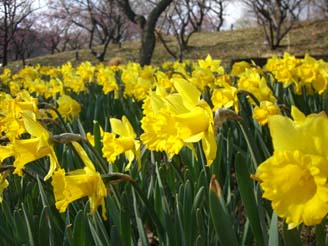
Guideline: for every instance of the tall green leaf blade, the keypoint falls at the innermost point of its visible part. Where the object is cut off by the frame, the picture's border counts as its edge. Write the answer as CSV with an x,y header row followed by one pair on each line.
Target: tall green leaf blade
x,y
320,235
142,234
28,227
45,218
273,231
80,229
97,137
46,235
95,234
20,231
291,237
246,188
220,217
187,208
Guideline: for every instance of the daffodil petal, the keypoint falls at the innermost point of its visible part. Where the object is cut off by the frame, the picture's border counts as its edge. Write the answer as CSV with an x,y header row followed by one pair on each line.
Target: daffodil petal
x,y
118,127
285,136
6,151
83,155
209,146
33,127
297,114
187,90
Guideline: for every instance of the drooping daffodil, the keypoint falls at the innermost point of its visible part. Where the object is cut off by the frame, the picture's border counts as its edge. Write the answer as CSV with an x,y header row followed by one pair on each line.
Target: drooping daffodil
x,y
121,140
24,151
71,186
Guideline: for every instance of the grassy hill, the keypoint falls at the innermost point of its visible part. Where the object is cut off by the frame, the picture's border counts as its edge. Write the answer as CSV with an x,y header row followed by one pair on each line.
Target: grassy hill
x,y
306,37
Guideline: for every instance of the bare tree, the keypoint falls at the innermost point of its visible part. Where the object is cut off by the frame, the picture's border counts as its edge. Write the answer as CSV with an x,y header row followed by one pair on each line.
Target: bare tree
x,y
276,17
12,15
146,25
182,19
316,9
100,19
53,30
216,12
322,6
24,42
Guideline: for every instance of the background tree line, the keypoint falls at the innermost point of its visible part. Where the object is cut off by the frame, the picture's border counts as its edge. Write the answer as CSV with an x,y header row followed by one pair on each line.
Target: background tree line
x,y
28,31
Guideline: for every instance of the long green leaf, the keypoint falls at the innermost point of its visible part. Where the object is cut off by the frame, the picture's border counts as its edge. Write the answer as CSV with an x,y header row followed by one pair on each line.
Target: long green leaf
x,y
246,187
46,234
181,225
320,235
95,233
187,208
273,231
96,133
220,217
28,226
140,227
45,217
291,237
79,229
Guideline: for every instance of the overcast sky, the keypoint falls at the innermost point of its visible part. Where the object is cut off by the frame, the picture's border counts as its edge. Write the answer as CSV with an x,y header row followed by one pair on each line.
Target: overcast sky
x,y
233,12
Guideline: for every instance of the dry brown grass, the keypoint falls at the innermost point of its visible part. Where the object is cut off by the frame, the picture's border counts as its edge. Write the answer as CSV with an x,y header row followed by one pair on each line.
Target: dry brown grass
x,y
306,37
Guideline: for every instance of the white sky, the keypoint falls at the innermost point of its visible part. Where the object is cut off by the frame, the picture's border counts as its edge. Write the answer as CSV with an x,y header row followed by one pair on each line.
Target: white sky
x,y
233,12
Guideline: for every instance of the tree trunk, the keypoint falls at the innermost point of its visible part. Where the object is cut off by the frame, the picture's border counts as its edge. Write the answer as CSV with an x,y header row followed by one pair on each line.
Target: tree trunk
x,y
5,39
147,27
148,41
5,51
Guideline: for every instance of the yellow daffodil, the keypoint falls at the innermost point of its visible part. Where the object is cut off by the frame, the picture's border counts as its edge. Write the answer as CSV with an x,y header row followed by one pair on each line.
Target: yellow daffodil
x,y
163,80
86,71
68,107
312,74
71,79
294,179
179,119
225,97
106,78
202,78
213,65
121,140
251,81
266,109
239,67
11,110
137,80
223,80
55,87
283,69
160,131
27,73
182,67
87,182
5,77
34,148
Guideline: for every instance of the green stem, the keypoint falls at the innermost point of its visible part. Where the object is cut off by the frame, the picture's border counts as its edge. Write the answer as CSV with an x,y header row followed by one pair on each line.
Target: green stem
x,y
151,212
257,158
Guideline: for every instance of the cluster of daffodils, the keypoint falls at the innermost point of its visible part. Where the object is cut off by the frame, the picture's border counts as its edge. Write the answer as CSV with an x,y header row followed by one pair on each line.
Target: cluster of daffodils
x,y
308,72
178,103
25,140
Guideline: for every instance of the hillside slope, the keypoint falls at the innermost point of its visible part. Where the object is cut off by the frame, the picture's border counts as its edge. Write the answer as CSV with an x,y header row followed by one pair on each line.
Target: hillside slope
x,y
306,37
